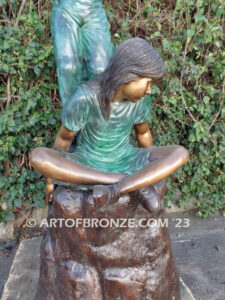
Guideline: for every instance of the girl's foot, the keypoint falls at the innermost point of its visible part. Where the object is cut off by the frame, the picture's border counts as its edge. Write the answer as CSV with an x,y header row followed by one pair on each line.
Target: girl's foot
x,y
105,195
149,198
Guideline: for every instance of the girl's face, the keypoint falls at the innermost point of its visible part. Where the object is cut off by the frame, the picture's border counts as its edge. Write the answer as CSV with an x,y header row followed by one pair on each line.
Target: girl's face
x,y
137,89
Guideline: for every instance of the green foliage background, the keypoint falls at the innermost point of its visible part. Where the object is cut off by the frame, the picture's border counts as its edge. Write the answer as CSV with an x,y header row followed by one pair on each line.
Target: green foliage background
x,y
188,106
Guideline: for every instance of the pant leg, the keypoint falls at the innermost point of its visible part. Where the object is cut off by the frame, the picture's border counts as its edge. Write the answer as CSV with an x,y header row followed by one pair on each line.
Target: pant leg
x,y
98,47
68,47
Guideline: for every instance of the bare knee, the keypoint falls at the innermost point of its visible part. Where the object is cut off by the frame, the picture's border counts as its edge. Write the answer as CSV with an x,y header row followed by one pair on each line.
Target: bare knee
x,y
38,156
177,151
70,66
181,153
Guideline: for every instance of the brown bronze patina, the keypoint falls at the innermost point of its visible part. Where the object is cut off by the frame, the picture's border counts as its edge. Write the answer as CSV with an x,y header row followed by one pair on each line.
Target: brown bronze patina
x,y
111,263
109,178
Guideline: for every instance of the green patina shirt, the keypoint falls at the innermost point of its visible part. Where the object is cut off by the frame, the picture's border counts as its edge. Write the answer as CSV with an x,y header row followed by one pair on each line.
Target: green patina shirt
x,y
105,144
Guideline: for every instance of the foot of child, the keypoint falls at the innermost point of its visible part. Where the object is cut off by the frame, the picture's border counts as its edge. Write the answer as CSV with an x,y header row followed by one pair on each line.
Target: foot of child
x,y
149,198
104,195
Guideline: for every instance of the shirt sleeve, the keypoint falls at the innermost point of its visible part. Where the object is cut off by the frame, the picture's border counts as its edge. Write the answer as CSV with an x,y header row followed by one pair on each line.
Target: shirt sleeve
x,y
75,111
143,110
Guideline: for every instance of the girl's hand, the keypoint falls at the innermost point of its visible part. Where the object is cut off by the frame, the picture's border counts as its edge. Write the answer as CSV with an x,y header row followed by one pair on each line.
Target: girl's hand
x,y
63,142
49,190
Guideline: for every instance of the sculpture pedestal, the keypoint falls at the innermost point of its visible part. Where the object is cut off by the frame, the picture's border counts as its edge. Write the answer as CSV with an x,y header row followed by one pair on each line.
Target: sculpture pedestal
x,y
124,262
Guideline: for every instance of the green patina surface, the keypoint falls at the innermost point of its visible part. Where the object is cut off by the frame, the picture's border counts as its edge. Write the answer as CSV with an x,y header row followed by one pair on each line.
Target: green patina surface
x,y
105,144
82,42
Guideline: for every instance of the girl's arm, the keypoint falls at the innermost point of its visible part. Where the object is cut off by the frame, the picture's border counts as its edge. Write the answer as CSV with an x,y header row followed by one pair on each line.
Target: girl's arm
x,y
143,135
63,142
64,138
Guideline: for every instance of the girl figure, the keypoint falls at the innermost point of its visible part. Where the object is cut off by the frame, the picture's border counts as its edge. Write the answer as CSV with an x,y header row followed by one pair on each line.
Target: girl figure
x,y
105,109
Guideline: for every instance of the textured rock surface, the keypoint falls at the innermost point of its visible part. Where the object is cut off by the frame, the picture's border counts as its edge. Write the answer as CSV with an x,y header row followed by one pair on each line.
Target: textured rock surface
x,y
105,263
20,286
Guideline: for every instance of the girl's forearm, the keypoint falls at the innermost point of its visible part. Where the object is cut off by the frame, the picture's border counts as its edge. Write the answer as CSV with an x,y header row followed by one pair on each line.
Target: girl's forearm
x,y
143,135
63,139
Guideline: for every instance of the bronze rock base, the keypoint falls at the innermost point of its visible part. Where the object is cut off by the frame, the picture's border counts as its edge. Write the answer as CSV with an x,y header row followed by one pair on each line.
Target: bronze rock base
x,y
110,263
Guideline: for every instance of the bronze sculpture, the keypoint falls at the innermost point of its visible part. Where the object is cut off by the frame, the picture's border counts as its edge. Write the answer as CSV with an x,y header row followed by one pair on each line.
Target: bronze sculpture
x,y
106,176
82,46
105,263
82,42
105,109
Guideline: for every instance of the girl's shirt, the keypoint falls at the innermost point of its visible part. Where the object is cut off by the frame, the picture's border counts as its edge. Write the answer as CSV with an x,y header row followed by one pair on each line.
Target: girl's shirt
x,y
105,144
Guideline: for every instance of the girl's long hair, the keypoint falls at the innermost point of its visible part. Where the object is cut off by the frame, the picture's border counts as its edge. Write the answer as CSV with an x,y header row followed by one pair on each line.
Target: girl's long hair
x,y
133,58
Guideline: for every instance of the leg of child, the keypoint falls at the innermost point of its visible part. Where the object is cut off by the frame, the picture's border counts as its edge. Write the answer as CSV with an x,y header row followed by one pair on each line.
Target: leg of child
x,y
164,161
52,164
68,48
97,44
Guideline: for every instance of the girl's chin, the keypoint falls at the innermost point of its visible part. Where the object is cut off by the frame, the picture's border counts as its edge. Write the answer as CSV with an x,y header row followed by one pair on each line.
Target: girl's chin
x,y
135,99
132,99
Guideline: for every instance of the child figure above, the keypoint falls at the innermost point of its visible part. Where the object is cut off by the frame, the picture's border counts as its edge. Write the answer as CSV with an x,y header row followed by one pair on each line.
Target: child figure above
x,y
105,109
